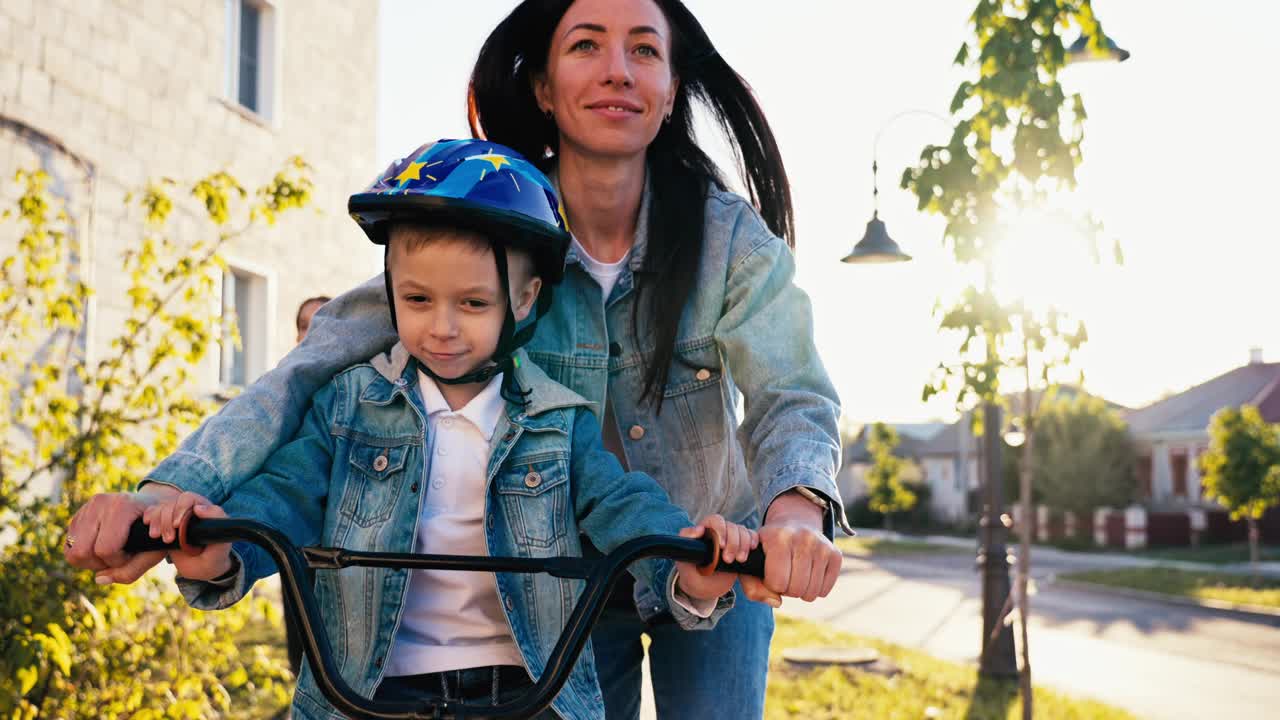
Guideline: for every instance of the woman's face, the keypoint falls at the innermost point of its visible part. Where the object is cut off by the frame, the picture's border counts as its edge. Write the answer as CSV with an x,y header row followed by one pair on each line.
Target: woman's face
x,y
609,80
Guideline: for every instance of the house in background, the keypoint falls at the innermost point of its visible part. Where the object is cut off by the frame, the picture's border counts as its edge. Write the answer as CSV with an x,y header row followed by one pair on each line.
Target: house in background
x,y
950,461
105,96
1172,434
911,438
950,457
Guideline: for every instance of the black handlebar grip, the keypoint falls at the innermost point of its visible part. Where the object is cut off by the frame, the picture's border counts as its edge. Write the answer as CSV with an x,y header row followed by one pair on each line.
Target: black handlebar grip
x,y
140,540
753,565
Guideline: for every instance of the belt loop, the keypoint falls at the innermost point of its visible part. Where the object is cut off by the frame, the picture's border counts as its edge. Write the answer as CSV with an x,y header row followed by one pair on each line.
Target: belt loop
x,y
494,697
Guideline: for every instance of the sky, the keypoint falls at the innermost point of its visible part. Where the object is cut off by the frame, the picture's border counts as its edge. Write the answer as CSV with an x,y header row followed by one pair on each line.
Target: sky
x,y
1179,165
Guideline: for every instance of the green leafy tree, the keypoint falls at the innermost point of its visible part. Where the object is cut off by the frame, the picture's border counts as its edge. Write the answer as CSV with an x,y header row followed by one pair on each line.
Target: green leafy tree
x,y
1242,467
70,429
1016,142
885,489
1082,454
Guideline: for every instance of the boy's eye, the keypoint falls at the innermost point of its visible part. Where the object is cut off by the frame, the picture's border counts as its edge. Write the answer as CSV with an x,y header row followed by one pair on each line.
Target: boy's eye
x,y
416,298
475,304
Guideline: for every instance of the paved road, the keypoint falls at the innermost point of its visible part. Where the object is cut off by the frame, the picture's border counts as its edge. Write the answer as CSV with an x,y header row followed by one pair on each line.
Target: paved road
x,y
1155,659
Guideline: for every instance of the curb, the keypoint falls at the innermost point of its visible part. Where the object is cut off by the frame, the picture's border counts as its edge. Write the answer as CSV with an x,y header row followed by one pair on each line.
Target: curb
x,y
1250,613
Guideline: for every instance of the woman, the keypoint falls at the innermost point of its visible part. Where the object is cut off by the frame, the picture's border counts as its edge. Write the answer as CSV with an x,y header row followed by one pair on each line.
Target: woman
x,y
677,297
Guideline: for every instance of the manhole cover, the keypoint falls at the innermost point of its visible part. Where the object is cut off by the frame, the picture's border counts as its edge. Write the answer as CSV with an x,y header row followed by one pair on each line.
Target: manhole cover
x,y
831,656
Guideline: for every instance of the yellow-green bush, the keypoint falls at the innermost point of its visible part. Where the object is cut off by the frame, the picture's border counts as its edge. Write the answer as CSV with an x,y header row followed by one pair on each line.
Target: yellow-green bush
x,y
70,429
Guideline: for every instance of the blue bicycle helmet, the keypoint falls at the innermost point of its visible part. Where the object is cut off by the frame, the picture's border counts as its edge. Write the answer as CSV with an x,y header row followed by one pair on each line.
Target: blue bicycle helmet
x,y
481,186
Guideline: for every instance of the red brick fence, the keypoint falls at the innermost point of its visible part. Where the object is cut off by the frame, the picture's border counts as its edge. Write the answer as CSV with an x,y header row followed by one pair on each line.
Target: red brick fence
x,y
1137,527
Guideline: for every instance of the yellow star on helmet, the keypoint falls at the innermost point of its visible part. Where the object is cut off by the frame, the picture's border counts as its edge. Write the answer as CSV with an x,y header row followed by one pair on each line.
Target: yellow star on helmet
x,y
497,160
411,172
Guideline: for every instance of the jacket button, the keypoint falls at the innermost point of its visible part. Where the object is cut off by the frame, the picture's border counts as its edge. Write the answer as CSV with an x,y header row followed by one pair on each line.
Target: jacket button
x,y
490,522
413,487
378,662
636,432
703,374
615,350
533,479
380,463
510,605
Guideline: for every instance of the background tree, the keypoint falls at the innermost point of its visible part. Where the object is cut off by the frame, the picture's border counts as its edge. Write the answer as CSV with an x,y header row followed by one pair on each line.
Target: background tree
x,y
886,492
1082,454
1242,467
1017,140
70,429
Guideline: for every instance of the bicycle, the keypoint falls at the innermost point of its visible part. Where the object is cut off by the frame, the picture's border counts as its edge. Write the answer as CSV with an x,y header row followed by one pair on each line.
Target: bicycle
x,y
300,604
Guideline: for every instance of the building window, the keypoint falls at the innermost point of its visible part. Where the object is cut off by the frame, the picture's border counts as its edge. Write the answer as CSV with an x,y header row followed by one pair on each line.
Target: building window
x,y
251,60
1178,467
246,299
1143,471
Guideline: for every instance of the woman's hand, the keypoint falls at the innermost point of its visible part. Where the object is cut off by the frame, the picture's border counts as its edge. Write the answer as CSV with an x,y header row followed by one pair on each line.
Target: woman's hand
x,y
737,542
96,535
799,560
166,518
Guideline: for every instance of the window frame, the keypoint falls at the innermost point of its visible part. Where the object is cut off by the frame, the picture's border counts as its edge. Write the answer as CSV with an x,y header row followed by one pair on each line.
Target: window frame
x,y
268,59
257,327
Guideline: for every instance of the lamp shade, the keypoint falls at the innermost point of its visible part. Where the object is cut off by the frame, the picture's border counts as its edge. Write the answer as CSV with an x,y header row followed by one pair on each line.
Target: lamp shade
x,y
876,246
1079,51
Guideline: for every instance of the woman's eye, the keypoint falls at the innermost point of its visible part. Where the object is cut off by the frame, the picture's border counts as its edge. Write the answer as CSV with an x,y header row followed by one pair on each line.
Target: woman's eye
x,y
582,45
647,51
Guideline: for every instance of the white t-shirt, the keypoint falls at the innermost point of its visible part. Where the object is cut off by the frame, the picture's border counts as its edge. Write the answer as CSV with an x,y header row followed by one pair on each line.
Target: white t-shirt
x,y
454,619
606,274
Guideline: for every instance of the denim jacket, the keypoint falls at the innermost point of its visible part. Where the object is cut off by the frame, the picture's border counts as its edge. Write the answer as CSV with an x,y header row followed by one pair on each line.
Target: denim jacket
x,y
366,432
746,333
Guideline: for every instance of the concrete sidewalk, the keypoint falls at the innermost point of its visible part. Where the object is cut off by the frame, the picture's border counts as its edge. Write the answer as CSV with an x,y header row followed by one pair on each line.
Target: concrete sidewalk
x,y
1099,560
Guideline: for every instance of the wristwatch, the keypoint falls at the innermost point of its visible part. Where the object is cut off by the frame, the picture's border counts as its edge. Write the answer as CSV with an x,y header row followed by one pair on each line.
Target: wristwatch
x,y
832,515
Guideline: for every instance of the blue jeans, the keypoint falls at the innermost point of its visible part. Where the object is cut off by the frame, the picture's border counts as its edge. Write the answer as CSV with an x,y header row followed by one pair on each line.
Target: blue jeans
x,y
477,686
696,673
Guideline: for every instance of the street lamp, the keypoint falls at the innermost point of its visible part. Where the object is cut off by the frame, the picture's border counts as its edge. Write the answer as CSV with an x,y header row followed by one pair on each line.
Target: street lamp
x,y
876,246
1079,51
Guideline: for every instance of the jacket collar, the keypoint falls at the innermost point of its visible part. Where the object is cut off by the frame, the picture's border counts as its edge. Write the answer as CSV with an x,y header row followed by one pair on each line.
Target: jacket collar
x,y
398,371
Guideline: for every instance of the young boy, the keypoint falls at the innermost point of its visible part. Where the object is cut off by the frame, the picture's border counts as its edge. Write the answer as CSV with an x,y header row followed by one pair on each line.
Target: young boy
x,y
452,443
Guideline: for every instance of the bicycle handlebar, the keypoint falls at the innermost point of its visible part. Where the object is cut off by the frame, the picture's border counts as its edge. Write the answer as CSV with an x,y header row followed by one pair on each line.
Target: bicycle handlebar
x,y
601,575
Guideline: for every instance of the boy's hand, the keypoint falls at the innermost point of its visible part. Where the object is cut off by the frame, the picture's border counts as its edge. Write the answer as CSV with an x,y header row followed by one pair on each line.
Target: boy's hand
x,y
738,543
165,518
96,536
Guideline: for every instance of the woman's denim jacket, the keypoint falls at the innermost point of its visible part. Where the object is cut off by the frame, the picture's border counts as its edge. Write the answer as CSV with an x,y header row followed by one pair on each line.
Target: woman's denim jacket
x,y
366,432
746,331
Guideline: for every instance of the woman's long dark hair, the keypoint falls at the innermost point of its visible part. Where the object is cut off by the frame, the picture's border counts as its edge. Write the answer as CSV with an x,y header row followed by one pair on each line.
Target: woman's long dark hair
x,y
501,107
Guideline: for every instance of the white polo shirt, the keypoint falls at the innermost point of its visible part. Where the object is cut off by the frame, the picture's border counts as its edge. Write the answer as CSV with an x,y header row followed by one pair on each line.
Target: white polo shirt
x,y
453,619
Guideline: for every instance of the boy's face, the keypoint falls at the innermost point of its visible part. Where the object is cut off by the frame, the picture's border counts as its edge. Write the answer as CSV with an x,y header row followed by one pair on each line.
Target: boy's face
x,y
448,300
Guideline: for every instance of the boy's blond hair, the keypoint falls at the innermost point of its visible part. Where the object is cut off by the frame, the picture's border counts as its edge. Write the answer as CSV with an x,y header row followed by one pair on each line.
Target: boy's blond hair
x,y
417,235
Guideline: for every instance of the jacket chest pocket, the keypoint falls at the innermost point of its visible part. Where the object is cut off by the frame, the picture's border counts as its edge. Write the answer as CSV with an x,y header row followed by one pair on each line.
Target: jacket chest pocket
x,y
376,476
534,492
693,415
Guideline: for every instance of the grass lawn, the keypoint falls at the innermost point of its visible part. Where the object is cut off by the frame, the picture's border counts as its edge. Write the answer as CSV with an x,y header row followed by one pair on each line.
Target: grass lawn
x,y
926,688
1196,585
868,547
1214,554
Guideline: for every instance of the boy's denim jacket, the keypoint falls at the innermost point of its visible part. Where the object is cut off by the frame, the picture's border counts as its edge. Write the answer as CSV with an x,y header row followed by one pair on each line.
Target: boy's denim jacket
x,y
354,475
745,329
